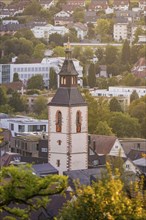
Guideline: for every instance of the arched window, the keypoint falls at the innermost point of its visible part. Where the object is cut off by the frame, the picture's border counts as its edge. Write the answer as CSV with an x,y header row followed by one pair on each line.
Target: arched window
x,y
63,80
58,121
78,122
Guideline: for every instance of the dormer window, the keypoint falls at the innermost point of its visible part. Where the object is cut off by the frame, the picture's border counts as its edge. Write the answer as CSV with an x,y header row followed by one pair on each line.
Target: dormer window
x,y
58,121
78,122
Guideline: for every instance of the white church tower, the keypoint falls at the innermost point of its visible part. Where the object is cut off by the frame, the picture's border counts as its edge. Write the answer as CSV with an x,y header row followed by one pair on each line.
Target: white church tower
x,y
68,122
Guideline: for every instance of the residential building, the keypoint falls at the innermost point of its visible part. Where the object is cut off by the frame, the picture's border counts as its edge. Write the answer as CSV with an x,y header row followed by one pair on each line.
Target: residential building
x,y
23,124
121,30
97,5
139,68
105,145
46,4
80,28
121,5
114,91
67,121
142,4
46,31
136,144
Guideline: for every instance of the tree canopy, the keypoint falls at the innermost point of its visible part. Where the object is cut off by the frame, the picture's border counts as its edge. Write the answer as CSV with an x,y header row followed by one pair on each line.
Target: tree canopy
x,y
26,191
35,82
104,199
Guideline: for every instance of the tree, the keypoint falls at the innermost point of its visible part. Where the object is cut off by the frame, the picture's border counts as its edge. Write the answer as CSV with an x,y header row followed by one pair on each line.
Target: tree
x,y
59,51
123,125
35,82
39,50
53,79
113,69
16,77
99,53
16,102
138,110
40,104
111,54
103,128
134,96
3,96
26,191
33,8
104,199
125,54
56,38
23,58
78,15
114,105
26,33
92,75
103,28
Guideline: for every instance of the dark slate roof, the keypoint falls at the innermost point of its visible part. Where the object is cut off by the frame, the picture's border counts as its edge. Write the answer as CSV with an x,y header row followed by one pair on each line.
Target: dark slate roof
x,y
84,176
68,97
44,169
68,68
136,154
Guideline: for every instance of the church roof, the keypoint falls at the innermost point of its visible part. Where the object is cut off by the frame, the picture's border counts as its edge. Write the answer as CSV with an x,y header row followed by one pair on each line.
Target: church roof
x,y
68,68
68,97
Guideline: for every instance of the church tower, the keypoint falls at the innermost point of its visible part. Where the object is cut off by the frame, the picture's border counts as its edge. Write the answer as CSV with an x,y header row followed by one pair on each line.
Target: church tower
x,y
68,122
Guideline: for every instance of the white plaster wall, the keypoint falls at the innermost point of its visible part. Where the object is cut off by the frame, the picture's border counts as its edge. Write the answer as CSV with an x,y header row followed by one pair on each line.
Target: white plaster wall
x,y
63,161
77,142
79,161
117,149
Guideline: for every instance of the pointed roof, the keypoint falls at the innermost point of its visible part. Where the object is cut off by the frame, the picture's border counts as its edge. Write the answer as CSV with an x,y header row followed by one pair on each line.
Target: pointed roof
x,y
68,97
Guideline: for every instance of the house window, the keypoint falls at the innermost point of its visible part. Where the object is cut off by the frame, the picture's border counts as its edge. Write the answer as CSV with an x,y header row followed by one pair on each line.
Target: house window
x,y
58,121
12,127
44,149
78,122
58,163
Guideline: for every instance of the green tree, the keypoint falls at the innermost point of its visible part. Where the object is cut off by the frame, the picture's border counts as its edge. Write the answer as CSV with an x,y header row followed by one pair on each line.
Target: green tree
x,y
99,53
25,33
104,199
40,104
113,69
92,75
111,54
103,28
35,82
78,15
138,110
134,96
143,127
103,128
16,102
20,187
3,96
23,58
16,77
123,125
125,54
33,8
39,51
114,105
56,38
53,79
77,52
91,31
59,51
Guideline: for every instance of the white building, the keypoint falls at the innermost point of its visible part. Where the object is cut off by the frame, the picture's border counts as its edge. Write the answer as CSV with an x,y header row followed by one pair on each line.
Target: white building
x,y
68,123
114,91
24,124
46,31
26,71
121,31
